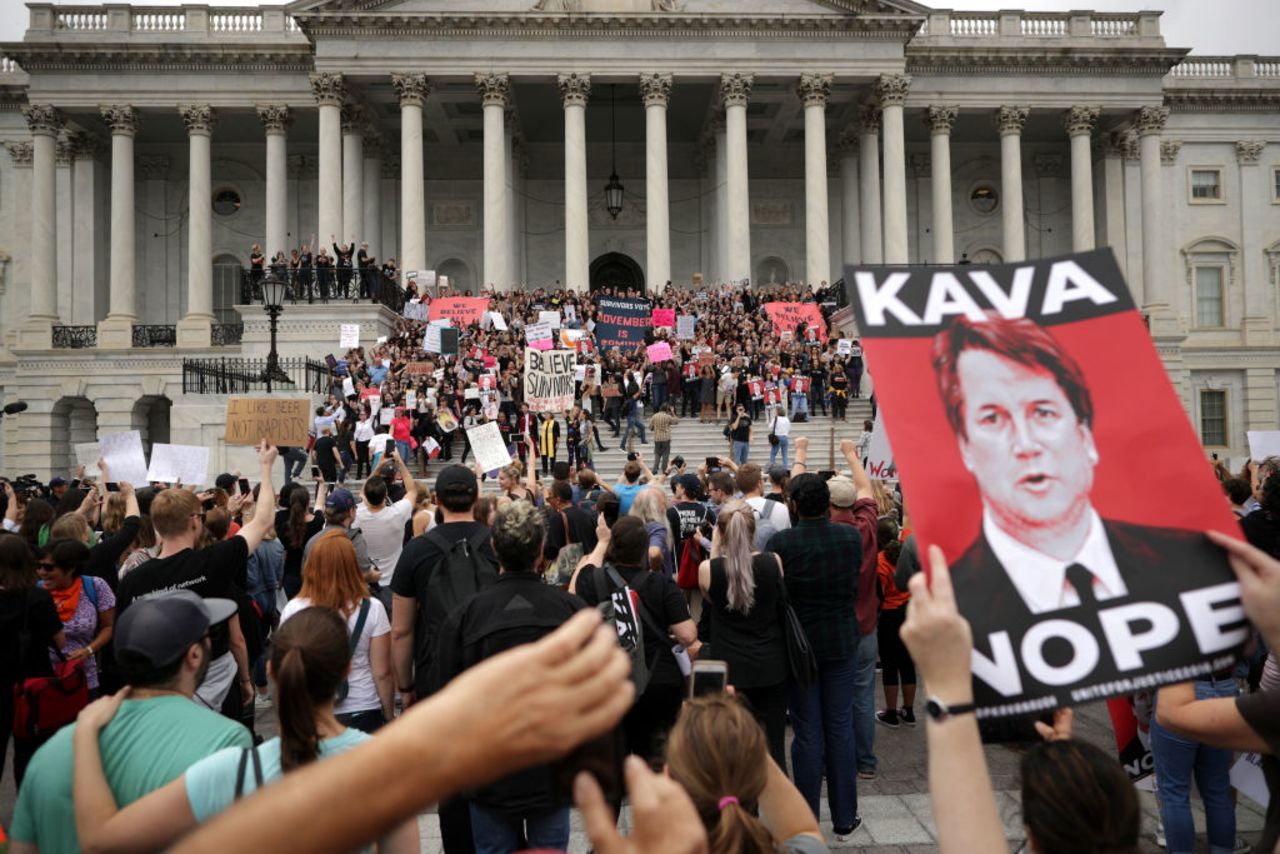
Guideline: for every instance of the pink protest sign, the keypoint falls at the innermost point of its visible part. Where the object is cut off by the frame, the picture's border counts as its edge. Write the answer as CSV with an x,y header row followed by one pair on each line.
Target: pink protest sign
x,y
660,352
664,317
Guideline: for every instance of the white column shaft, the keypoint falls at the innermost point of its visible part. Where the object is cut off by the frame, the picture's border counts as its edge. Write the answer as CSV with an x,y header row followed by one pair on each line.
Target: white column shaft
x,y
496,250
1155,285
817,226
944,248
722,205
851,244
123,280
577,261
1082,228
869,178
658,219
329,213
413,232
509,190
372,219
199,230
352,189
738,197
44,228
1015,239
895,187
277,195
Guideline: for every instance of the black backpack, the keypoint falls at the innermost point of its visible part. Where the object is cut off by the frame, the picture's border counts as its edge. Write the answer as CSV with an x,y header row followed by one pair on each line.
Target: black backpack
x,y
461,573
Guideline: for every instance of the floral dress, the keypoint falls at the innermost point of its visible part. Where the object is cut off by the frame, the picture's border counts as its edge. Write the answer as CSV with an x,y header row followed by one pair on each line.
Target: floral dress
x,y
82,628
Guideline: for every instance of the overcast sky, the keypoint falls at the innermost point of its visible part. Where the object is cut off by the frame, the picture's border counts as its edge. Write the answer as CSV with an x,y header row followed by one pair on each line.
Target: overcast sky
x,y
1207,26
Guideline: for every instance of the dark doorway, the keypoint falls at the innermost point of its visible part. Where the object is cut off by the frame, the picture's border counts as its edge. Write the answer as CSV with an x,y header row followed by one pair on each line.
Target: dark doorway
x,y
617,271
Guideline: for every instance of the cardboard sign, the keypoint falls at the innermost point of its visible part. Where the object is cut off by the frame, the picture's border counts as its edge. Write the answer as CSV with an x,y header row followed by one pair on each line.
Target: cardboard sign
x,y
786,316
348,387
548,379
685,326
621,322
571,313
349,338
844,346
188,464
551,318
538,336
706,359
664,317
432,447
386,415
411,399
87,455
569,338
415,310
879,464
426,278
660,352
282,421
1263,444
414,369
462,311
1017,438
800,385
122,452
487,444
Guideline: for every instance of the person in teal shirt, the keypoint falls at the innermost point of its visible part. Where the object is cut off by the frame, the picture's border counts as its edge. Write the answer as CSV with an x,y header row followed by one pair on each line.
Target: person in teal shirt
x,y
310,660
162,650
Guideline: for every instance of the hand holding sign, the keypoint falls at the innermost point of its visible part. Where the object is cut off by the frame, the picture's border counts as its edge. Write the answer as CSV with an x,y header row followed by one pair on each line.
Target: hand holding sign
x,y
938,638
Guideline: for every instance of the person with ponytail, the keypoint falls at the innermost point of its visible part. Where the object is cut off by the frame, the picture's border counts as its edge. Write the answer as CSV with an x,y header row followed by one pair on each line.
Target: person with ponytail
x,y
295,525
717,753
309,660
743,590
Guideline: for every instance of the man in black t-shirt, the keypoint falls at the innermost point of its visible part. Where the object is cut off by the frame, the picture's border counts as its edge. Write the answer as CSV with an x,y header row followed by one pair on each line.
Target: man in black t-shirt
x,y
740,435
216,572
581,523
326,456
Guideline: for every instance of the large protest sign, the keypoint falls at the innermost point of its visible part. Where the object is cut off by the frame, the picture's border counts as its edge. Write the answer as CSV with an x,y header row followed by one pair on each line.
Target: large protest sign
x,y
88,454
463,311
659,352
486,443
431,339
123,454
1263,444
188,464
786,316
449,337
548,379
415,310
279,420
879,463
664,317
1016,439
551,317
538,336
349,336
685,324
621,322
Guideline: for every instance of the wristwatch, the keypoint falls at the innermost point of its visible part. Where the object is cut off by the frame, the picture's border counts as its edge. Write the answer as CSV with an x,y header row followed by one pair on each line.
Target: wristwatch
x,y
940,711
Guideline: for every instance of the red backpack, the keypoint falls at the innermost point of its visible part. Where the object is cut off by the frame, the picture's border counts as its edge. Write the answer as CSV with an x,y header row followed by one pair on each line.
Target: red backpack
x,y
691,557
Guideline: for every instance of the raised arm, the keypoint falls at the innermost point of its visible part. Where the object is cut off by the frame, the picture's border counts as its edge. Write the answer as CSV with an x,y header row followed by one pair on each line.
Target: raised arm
x,y
261,523
802,451
861,481
410,485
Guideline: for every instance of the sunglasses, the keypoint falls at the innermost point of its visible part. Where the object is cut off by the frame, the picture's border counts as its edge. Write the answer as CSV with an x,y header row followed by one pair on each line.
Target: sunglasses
x,y
48,565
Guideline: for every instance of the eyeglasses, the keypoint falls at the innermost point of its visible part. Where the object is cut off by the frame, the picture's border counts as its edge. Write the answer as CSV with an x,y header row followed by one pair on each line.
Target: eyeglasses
x,y
48,565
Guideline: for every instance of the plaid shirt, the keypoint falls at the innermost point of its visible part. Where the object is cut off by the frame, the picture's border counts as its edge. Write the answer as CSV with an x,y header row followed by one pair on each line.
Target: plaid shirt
x,y
821,563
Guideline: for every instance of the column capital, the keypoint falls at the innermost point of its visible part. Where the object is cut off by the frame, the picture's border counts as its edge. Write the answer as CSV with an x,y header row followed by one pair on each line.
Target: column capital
x,y
1249,150
655,88
330,89
372,146
815,89
299,166
354,119
1150,120
941,120
735,89
391,164
275,118
1169,149
1080,120
20,152
121,118
868,120
891,89
199,118
412,89
848,144
575,89
43,119
1111,143
153,166
79,146
1049,165
1011,119
494,89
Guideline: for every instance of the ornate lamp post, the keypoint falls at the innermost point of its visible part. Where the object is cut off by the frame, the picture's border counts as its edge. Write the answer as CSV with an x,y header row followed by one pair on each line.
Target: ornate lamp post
x,y
613,191
273,295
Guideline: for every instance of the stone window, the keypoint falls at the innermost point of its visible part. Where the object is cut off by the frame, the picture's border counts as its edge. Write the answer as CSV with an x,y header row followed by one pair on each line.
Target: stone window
x,y
1213,418
1209,296
226,201
1211,264
1275,186
1206,186
984,198
227,273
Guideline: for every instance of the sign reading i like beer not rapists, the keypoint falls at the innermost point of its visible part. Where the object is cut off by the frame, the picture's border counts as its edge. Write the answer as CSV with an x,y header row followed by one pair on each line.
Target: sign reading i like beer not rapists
x,y
1016,439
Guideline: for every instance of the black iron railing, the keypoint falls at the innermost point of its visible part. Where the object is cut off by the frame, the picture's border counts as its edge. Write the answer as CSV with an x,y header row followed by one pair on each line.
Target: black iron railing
x,y
227,334
325,284
299,375
155,335
74,337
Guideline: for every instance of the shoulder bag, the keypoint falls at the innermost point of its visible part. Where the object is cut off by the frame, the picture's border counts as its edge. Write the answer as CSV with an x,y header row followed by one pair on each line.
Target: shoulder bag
x,y
345,687
802,665
44,704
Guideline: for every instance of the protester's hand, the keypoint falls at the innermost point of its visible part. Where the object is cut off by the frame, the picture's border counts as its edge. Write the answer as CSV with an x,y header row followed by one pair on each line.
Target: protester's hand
x,y
246,693
102,467
267,453
938,638
1063,721
802,444
126,488
80,654
89,503
1259,576
602,528
234,503
848,447
663,818
98,714
80,471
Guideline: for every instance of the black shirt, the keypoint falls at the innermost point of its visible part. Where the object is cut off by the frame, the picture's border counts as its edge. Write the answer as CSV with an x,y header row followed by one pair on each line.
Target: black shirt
x,y
104,558
741,433
323,449
752,644
412,574
516,610
216,572
582,529
665,605
292,573
1261,711
33,609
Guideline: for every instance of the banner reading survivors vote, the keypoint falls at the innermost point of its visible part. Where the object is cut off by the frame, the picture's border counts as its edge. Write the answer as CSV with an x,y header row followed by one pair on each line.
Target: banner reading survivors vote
x,y
1020,401
621,322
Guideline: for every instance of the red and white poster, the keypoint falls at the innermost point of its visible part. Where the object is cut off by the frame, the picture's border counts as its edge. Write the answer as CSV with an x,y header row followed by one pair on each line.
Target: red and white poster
x,y
463,311
1041,446
800,385
786,316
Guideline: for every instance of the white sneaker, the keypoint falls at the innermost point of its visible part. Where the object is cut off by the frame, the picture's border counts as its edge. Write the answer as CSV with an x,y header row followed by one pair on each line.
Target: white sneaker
x,y
262,701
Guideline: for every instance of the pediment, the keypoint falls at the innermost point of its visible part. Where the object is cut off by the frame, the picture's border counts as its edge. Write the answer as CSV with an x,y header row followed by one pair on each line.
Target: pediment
x,y
728,8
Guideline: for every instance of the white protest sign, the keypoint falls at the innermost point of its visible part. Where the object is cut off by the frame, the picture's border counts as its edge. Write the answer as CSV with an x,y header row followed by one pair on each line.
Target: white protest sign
x,y
416,310
486,442
551,317
685,324
580,373
879,455
350,338
426,278
571,313
411,399
87,454
431,340
844,346
548,379
1246,775
348,387
1263,444
122,452
382,339
499,322
535,332
386,415
471,393
188,464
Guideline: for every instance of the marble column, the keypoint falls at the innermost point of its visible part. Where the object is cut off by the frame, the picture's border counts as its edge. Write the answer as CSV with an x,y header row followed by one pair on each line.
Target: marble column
x,y
869,175
160,301
722,196
851,242
413,90
88,297
1010,121
655,88
891,92
1259,299
372,215
276,121
1079,123
814,91
1111,185
116,330
940,121
575,89
495,93
509,140
330,91
1157,287
353,125
196,328
45,122
735,92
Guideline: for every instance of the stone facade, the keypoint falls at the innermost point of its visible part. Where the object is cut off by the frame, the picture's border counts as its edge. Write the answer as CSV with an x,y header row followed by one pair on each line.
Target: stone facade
x,y
796,136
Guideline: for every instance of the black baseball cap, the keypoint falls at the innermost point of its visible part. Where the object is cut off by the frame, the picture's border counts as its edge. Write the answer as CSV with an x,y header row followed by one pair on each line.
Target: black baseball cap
x,y
456,477
160,630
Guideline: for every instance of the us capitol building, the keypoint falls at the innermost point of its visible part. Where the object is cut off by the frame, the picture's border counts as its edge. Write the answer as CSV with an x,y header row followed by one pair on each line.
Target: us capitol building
x,y
149,148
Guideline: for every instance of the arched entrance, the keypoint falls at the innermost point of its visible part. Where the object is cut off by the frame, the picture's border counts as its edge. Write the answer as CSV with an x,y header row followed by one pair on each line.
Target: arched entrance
x,y
74,421
617,271
151,418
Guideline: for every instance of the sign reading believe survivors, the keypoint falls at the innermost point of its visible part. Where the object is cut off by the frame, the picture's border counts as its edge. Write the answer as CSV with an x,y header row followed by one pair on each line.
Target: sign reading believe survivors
x,y
548,379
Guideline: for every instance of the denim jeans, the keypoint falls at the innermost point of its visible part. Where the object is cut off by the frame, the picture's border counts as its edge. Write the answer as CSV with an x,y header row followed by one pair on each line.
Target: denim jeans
x,y
404,450
295,460
740,452
633,423
495,833
659,395
1177,760
780,448
822,717
864,702
799,403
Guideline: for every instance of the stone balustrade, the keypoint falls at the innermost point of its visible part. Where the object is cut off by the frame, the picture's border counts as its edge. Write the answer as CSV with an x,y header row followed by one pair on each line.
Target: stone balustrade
x,y
945,24
189,21
1226,68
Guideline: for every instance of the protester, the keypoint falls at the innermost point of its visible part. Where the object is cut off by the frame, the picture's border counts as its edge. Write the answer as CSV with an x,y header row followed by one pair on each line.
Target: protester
x,y
340,514
86,606
898,671
382,524
295,525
